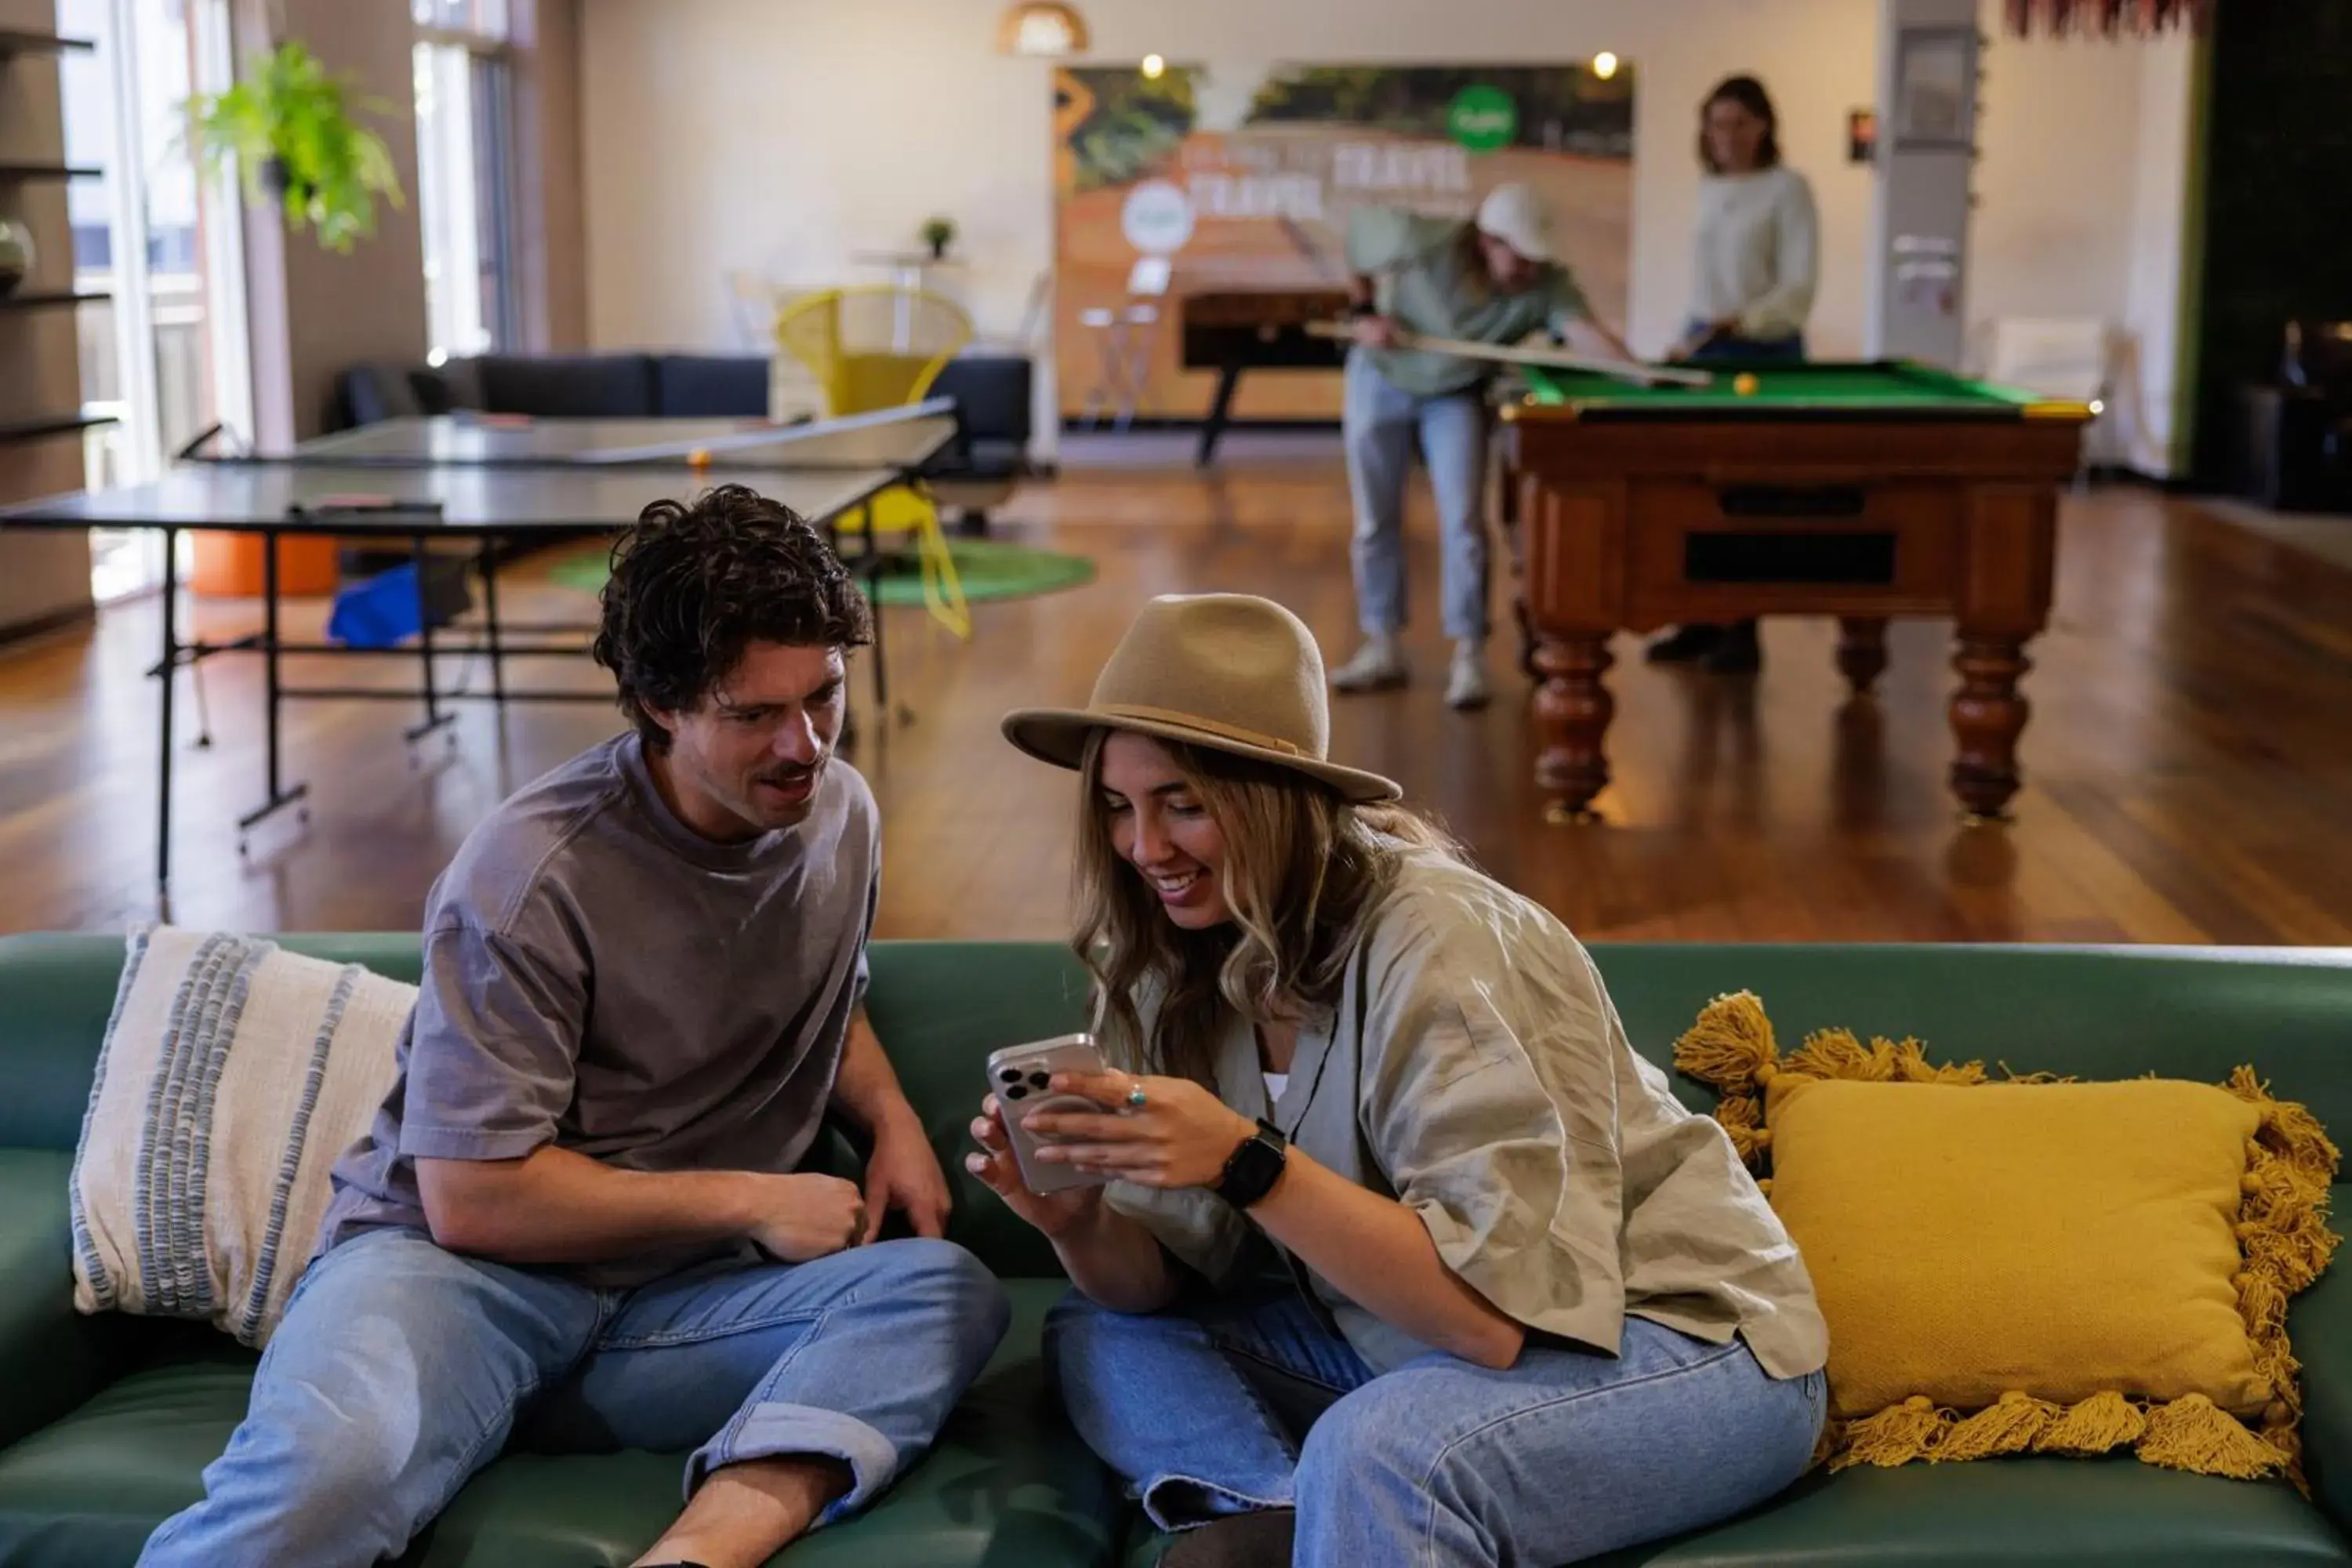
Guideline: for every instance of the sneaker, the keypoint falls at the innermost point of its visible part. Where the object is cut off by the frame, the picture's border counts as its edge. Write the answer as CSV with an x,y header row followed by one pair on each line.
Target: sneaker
x,y
1738,652
1259,1540
1684,645
1378,666
1466,687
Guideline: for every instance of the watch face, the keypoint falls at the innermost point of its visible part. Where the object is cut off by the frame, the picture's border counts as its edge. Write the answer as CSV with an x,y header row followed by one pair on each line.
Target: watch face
x,y
1254,1167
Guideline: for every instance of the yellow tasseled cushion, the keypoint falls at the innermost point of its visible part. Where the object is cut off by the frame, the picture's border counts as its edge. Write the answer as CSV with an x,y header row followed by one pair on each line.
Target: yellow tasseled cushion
x,y
2033,1266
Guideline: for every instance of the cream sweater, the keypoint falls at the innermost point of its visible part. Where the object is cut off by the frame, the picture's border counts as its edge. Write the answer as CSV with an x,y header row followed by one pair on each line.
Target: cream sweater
x,y
1759,252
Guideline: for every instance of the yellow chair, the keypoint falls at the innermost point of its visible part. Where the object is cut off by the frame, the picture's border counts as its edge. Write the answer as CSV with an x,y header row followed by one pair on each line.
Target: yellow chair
x,y
882,347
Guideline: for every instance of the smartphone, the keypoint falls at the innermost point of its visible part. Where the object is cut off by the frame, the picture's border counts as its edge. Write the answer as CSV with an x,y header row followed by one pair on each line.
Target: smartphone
x,y
1018,1077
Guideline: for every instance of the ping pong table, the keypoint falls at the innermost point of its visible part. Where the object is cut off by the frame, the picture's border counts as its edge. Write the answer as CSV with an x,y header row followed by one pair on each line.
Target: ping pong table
x,y
480,482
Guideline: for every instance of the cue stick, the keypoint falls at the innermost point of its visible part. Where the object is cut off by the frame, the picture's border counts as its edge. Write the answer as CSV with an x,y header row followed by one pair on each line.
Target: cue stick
x,y
1547,359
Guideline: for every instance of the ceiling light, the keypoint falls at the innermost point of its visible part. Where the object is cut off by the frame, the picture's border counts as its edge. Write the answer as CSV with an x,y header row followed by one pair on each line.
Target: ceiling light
x,y
1045,28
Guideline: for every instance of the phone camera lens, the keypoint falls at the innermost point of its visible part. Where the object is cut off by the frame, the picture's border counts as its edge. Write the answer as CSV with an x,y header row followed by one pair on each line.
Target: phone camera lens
x,y
1010,1075
1017,1092
1039,1080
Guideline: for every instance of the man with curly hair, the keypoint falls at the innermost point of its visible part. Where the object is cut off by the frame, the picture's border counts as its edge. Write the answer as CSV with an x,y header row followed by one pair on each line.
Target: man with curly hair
x,y
578,1219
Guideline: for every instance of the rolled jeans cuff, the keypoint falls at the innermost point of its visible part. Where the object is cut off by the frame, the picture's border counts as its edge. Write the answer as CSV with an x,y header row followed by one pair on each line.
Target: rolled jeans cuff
x,y
778,1431
1174,1502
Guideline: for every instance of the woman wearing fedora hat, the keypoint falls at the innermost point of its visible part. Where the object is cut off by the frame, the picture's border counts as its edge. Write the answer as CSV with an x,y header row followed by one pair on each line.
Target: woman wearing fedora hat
x,y
1404,1255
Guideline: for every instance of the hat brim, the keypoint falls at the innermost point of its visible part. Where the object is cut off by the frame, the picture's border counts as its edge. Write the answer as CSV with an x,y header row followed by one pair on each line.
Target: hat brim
x,y
1058,735
1543,256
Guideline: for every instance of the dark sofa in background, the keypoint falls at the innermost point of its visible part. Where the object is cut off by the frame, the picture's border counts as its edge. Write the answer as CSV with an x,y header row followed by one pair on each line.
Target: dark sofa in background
x,y
992,394
2295,434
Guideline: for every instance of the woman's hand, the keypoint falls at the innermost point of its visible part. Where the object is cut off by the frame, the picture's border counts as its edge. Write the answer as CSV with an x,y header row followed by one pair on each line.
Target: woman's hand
x,y
1375,332
1054,1214
1181,1136
1698,342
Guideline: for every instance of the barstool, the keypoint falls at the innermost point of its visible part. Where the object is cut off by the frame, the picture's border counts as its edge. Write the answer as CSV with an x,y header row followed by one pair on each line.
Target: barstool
x,y
1126,336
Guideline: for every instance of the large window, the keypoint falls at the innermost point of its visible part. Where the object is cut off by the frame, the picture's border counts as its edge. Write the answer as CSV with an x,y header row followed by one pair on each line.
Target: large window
x,y
165,355
465,176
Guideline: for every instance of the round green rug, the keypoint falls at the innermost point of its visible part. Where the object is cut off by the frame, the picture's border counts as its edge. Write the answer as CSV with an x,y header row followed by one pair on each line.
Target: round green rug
x,y
987,568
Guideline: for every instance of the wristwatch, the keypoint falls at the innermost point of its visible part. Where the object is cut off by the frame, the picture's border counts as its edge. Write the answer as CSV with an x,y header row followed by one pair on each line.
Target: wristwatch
x,y
1251,1169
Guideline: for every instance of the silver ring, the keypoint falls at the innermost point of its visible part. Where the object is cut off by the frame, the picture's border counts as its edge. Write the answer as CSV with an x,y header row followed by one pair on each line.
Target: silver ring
x,y
1136,1099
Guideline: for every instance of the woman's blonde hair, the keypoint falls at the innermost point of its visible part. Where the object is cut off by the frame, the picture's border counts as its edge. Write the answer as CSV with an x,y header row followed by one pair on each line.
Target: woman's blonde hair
x,y
1304,871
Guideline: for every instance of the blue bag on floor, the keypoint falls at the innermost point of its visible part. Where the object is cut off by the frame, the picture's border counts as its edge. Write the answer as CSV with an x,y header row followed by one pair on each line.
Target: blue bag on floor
x,y
381,611
386,609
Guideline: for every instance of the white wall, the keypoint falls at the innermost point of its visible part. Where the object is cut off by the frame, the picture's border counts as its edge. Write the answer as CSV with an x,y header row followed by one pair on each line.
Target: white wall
x,y
781,135
2085,148
2058,159
2156,333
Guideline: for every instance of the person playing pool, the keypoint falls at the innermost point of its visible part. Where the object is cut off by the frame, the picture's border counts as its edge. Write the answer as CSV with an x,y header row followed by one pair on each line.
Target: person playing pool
x,y
1496,279
1752,285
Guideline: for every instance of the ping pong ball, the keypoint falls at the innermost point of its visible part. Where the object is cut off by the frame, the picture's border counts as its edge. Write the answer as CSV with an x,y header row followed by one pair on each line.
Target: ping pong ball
x,y
1745,385
698,459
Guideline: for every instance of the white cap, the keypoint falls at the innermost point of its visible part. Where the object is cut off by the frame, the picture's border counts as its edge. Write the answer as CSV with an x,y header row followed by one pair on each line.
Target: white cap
x,y
1521,219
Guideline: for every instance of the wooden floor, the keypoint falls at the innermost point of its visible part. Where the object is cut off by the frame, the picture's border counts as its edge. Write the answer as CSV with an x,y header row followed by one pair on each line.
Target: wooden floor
x,y
2189,764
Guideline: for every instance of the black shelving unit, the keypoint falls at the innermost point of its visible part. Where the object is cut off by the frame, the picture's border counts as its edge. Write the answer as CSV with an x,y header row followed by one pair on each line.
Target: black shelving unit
x,y
16,41
47,301
20,172
41,425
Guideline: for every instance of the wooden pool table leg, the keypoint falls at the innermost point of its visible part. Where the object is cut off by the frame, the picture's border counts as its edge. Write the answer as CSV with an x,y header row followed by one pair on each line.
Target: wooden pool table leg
x,y
1573,709
1988,715
1861,651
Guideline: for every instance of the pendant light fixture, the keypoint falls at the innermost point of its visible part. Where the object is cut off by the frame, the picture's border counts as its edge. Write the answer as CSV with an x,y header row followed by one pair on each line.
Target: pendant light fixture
x,y
1042,28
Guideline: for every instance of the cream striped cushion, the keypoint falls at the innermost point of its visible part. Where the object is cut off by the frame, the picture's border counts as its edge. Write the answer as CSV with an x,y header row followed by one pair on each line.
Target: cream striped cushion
x,y
233,1076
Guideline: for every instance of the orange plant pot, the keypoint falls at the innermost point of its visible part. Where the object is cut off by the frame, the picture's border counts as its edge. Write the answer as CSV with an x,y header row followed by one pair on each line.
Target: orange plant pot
x,y
228,567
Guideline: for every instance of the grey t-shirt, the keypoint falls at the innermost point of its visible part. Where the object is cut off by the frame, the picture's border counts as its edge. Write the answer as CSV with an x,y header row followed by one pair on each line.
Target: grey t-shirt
x,y
600,977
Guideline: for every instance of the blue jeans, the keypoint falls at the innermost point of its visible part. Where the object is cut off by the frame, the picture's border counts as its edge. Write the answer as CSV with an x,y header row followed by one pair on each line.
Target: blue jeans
x,y
401,1369
1240,1404
1380,426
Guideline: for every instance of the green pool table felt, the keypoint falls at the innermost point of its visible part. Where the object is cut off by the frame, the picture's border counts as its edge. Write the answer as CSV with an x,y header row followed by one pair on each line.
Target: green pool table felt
x,y
1862,391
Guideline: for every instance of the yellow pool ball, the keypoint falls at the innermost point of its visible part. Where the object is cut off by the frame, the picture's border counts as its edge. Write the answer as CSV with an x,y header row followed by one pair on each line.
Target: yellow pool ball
x,y
1744,385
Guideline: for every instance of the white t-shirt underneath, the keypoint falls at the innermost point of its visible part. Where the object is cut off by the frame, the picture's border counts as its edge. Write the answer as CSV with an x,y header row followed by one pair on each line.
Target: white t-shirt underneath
x,y
1276,1082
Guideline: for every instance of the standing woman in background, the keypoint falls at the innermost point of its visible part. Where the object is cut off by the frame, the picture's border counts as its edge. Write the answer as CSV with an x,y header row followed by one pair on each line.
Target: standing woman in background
x,y
1752,283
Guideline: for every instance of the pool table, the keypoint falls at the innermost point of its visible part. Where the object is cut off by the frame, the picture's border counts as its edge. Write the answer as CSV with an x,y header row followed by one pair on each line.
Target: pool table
x,y
1862,491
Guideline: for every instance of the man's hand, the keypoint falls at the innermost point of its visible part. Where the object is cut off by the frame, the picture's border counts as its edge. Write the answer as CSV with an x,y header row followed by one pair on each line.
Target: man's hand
x,y
903,1174
798,1217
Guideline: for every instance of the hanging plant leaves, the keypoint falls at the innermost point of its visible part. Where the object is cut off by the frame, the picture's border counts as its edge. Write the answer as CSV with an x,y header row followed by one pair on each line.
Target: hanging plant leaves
x,y
289,127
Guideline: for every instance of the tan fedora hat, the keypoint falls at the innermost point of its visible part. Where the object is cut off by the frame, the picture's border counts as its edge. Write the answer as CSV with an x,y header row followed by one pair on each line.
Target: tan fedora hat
x,y
1231,672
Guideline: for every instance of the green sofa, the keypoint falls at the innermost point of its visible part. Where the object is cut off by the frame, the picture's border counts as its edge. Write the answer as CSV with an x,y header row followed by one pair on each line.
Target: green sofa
x,y
105,1423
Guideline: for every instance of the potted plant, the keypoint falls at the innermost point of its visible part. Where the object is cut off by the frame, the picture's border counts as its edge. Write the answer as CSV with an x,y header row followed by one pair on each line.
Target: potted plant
x,y
16,255
289,126
938,233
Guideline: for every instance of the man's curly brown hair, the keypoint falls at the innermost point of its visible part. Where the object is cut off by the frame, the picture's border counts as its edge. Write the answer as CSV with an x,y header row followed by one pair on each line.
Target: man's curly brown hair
x,y
693,585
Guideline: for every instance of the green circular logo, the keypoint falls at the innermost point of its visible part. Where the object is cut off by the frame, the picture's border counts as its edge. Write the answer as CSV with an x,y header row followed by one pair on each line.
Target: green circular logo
x,y
1483,117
